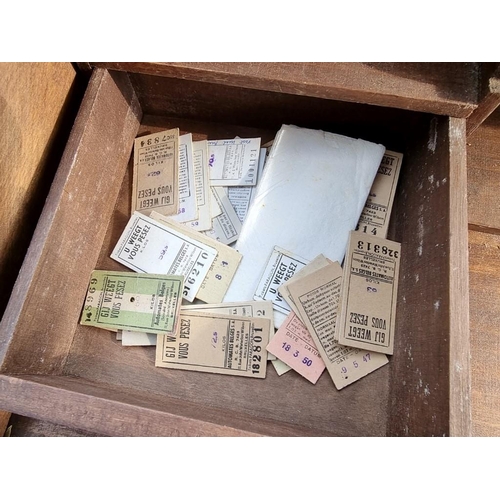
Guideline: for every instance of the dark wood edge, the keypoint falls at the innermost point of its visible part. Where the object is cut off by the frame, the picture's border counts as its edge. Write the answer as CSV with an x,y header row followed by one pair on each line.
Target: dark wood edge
x,y
110,411
484,229
489,96
459,364
330,90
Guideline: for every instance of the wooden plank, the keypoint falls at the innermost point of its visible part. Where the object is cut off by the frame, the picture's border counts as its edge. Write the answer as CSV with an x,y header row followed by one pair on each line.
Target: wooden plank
x,y
32,139
440,88
4,421
484,266
459,363
101,140
489,96
420,377
32,427
483,160
113,411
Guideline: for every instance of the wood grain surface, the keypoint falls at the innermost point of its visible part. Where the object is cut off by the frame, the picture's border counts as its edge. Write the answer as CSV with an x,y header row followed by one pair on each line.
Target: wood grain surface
x,y
484,251
38,102
483,168
441,88
33,100
483,159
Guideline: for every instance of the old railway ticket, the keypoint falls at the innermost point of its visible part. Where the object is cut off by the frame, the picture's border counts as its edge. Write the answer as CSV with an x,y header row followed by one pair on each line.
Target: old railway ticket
x,y
215,343
146,246
233,162
155,177
124,300
294,345
376,214
316,295
221,271
281,267
254,309
369,292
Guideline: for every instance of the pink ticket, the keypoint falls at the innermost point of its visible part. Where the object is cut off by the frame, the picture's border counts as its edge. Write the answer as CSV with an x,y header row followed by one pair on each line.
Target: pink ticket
x,y
294,345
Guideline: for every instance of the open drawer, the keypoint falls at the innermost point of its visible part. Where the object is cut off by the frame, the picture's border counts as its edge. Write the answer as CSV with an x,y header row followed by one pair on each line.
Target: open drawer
x,y
57,370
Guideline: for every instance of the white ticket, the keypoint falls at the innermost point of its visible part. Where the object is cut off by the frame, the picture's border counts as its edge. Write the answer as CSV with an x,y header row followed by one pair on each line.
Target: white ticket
x,y
233,162
226,227
188,209
200,162
241,197
147,246
223,268
282,265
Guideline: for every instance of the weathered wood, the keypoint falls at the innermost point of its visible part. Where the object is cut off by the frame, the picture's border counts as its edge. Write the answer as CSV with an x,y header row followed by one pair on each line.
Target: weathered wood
x,y
4,421
35,334
420,379
410,396
458,285
38,103
489,95
484,266
31,427
440,88
117,411
483,168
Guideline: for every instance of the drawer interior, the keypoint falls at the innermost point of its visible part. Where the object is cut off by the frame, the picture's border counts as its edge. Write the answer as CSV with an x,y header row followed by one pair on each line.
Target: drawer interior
x,y
89,206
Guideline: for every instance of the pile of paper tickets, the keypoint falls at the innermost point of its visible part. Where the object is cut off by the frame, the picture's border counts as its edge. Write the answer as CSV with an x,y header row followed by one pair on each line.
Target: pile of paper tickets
x,y
230,240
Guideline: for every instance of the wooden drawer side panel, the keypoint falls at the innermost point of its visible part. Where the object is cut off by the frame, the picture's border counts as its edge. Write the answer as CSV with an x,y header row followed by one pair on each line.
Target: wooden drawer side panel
x,y
36,330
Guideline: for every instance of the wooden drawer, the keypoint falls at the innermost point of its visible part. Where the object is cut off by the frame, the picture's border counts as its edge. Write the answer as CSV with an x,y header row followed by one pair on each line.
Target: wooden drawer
x,y
55,369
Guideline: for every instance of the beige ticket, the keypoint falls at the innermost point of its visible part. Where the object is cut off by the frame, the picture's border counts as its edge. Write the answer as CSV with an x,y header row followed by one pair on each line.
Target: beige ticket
x,y
254,309
214,343
318,263
376,214
317,297
156,173
369,293
223,268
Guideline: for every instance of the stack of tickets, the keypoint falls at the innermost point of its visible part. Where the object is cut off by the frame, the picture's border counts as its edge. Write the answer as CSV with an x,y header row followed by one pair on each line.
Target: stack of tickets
x,y
229,240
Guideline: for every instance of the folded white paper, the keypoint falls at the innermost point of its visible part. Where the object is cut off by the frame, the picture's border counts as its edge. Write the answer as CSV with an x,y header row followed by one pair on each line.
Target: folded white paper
x,y
310,197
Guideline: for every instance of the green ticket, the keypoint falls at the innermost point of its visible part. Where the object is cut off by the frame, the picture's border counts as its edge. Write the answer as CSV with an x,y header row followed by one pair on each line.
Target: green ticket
x,y
140,302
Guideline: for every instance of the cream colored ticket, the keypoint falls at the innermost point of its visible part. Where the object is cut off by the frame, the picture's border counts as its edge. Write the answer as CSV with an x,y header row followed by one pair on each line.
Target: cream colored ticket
x,y
318,263
146,246
200,162
253,309
376,214
317,297
223,268
233,162
230,345
241,196
369,293
188,209
144,303
155,177
226,227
